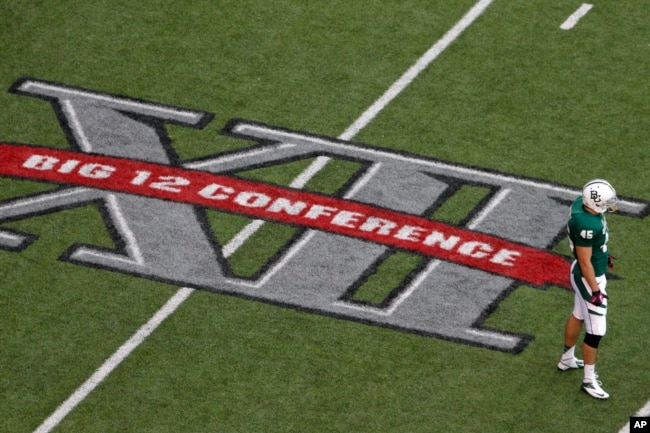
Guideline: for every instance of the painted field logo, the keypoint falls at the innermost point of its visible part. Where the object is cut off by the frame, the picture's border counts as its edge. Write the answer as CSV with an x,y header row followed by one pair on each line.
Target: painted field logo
x,y
153,204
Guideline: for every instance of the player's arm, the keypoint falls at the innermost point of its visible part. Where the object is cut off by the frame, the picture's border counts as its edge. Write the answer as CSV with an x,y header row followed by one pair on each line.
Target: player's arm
x,y
586,268
583,255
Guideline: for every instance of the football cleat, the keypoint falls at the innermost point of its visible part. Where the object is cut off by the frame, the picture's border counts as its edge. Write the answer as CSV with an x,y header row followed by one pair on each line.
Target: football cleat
x,y
592,387
566,364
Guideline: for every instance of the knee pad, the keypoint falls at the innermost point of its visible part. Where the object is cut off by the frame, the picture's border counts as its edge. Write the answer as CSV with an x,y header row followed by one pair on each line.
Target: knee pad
x,y
592,340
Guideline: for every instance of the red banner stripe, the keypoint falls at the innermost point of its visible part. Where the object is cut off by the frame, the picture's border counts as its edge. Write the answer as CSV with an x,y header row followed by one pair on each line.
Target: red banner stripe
x,y
274,203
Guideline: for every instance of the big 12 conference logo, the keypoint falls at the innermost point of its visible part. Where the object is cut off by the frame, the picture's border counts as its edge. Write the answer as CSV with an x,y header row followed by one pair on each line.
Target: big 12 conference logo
x,y
121,159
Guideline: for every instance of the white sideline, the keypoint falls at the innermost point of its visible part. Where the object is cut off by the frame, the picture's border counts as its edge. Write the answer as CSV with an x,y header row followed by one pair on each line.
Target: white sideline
x,y
183,293
644,411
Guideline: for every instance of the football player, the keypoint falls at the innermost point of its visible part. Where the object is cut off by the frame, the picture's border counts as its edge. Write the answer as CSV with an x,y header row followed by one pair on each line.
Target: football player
x,y
588,236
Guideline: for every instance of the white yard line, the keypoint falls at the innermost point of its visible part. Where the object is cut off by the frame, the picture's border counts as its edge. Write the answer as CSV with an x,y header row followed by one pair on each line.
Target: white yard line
x,y
393,91
415,70
183,293
109,365
644,411
575,17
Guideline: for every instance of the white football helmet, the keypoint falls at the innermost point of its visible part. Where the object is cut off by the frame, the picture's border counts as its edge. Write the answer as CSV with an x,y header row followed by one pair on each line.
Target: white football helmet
x,y
599,196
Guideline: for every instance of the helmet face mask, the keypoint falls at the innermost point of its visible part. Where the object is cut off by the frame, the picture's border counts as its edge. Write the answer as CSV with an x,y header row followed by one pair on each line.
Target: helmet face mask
x,y
599,196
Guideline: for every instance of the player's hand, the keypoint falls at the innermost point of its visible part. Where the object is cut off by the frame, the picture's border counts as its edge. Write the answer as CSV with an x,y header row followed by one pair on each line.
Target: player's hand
x,y
597,298
610,262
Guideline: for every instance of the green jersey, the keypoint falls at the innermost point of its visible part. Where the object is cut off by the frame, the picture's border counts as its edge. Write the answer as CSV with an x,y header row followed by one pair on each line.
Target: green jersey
x,y
588,230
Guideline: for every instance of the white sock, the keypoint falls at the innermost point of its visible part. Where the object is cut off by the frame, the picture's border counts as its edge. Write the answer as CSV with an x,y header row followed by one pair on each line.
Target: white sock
x,y
590,372
569,353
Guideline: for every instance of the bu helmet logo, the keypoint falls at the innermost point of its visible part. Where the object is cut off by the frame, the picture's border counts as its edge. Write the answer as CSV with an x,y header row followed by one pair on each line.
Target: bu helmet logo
x,y
153,203
595,196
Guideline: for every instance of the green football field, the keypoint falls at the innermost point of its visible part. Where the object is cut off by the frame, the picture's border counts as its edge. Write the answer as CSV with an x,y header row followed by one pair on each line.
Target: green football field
x,y
494,92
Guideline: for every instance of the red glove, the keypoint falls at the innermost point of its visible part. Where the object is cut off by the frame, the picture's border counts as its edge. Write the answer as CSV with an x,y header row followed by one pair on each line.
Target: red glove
x,y
610,262
597,298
